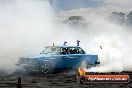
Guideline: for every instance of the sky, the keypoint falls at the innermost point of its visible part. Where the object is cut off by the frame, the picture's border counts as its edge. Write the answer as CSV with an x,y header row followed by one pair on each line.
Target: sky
x,y
102,5
60,5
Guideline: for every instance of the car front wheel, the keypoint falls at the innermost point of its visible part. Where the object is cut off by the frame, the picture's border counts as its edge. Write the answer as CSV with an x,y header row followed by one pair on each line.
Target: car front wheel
x,y
45,67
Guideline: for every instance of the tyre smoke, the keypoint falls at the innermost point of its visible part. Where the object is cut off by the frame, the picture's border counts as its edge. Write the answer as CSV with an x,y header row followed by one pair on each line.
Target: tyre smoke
x,y
26,26
115,42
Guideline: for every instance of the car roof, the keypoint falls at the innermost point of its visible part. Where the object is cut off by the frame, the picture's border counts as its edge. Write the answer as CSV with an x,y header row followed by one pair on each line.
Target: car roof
x,y
65,46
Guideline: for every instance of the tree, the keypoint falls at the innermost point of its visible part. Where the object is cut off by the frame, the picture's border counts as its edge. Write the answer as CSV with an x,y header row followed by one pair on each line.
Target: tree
x,y
129,18
118,17
76,22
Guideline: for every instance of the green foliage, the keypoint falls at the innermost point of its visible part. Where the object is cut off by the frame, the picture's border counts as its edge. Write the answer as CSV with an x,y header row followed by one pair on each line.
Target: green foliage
x,y
129,18
117,17
71,18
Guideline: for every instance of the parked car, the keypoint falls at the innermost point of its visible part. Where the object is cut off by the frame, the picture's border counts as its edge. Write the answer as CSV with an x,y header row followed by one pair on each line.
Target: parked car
x,y
57,58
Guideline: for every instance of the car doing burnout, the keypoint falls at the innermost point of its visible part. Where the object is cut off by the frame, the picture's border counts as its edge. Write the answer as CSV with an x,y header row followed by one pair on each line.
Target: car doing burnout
x,y
57,58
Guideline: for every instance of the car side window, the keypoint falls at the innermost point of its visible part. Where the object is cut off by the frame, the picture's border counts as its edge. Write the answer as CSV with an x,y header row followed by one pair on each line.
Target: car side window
x,y
77,50
64,50
80,51
72,50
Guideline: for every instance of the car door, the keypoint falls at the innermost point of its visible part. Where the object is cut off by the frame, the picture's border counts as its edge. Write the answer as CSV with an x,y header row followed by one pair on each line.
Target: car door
x,y
71,59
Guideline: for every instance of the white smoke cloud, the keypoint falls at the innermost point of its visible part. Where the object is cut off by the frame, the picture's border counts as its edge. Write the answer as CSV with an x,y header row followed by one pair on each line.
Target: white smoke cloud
x,y
108,6
115,40
118,1
120,5
25,27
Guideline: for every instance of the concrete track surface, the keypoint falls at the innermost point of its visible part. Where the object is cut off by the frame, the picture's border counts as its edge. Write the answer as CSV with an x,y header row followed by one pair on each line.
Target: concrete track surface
x,y
60,80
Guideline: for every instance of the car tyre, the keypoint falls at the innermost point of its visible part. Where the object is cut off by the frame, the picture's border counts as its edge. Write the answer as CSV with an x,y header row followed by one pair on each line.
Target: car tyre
x,y
46,67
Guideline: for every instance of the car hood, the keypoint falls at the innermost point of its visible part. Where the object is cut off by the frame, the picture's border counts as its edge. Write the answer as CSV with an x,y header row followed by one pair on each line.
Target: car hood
x,y
38,56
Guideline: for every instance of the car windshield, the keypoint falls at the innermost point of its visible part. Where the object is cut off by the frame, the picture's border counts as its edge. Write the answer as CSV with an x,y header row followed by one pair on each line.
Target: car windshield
x,y
72,50
55,50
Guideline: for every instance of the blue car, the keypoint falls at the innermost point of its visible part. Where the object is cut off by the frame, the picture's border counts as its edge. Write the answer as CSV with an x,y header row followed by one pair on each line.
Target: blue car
x,y
57,58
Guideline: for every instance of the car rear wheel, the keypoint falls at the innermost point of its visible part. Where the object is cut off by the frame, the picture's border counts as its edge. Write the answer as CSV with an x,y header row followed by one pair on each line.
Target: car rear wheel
x,y
81,79
85,64
45,67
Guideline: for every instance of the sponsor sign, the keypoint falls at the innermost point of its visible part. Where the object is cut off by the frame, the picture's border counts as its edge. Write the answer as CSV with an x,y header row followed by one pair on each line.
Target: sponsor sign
x,y
107,78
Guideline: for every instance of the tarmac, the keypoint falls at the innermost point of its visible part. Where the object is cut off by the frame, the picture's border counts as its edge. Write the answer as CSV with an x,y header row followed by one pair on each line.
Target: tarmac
x,y
58,80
